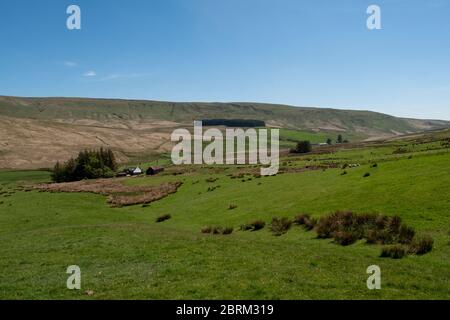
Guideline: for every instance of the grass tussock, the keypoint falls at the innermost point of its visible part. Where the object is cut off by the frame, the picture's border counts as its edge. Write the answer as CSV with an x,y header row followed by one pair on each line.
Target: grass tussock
x,y
227,230
163,217
216,230
345,228
207,229
253,226
396,251
280,226
211,189
344,238
421,246
306,221
239,175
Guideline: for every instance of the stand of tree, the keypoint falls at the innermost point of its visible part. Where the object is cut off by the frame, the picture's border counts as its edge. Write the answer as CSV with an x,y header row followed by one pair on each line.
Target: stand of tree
x,y
339,140
89,164
245,123
302,147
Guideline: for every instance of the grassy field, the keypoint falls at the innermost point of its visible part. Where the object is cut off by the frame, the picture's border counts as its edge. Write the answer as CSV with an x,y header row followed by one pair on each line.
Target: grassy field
x,y
124,254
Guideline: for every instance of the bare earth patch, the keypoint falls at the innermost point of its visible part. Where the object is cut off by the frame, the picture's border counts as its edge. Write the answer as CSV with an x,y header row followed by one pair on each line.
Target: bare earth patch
x,y
119,195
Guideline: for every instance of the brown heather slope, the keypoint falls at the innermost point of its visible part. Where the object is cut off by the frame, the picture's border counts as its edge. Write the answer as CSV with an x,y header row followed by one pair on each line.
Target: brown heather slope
x,y
28,143
37,132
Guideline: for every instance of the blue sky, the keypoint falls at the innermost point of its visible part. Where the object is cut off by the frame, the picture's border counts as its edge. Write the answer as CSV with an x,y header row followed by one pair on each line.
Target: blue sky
x,y
304,53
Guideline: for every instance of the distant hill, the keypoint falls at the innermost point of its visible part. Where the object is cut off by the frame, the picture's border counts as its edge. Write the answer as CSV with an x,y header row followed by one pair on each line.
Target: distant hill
x,y
38,131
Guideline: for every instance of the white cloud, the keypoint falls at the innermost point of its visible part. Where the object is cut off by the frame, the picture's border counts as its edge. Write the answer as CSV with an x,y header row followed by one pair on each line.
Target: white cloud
x,y
116,76
90,73
70,64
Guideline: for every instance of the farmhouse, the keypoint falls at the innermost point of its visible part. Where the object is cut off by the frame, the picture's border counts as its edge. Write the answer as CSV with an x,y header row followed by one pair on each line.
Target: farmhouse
x,y
154,170
135,171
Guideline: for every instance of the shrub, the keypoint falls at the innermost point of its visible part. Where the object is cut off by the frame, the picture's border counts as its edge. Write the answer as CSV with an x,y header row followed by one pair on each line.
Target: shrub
x,y
421,246
343,173
395,251
232,206
366,175
163,217
280,226
374,165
